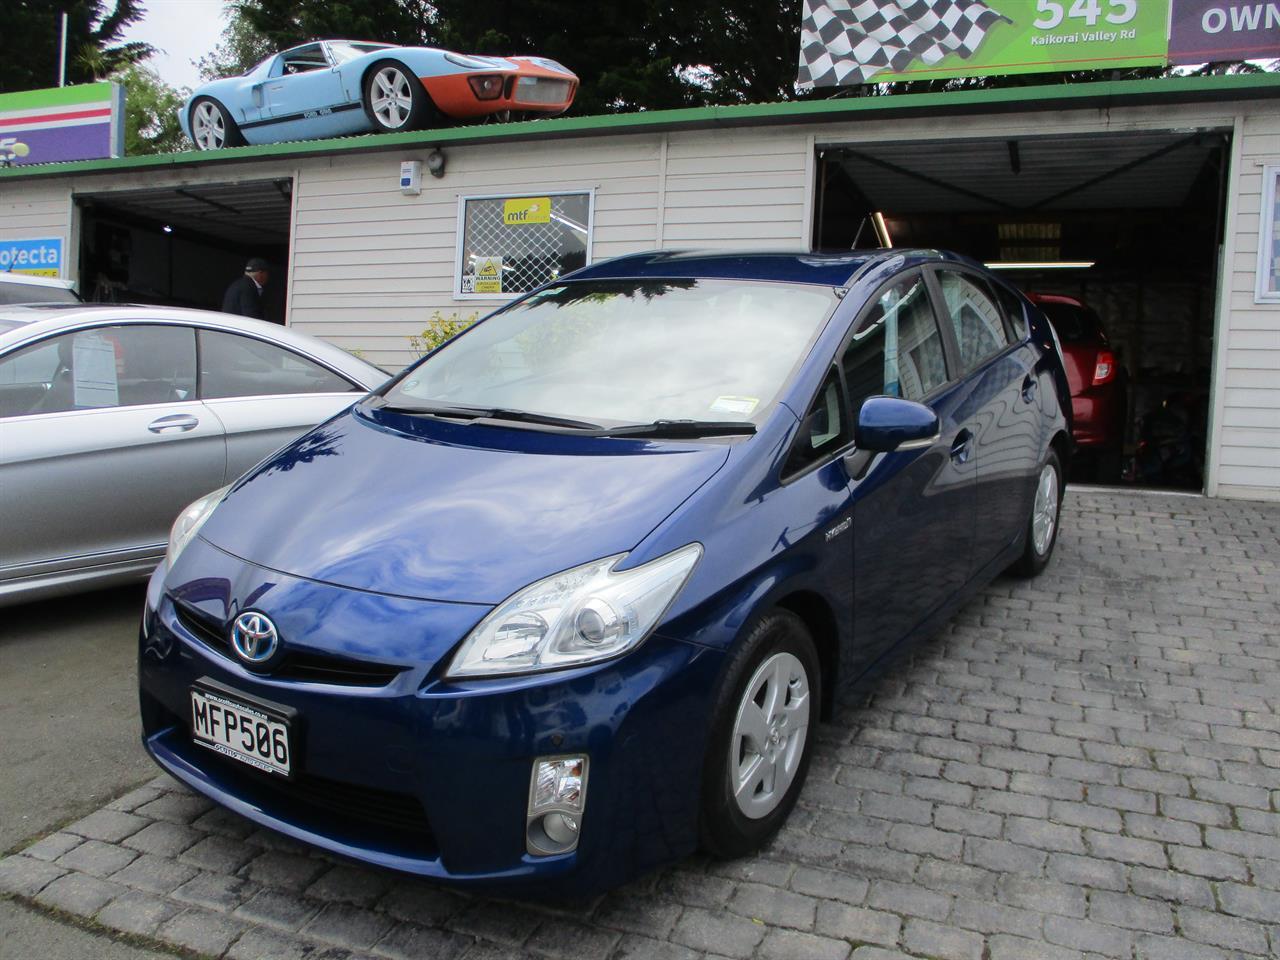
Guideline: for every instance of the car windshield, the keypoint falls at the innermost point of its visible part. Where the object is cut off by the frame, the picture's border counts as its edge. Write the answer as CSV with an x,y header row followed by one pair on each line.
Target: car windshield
x,y
343,51
629,351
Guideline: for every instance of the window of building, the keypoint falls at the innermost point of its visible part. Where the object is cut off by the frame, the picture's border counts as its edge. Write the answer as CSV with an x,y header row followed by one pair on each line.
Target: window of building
x,y
514,243
1267,288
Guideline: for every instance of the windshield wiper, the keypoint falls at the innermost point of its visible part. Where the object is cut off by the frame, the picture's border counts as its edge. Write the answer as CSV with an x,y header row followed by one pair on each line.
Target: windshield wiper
x,y
472,414
681,428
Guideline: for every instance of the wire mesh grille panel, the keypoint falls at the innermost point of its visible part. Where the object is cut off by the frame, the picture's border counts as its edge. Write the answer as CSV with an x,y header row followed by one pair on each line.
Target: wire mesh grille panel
x,y
514,244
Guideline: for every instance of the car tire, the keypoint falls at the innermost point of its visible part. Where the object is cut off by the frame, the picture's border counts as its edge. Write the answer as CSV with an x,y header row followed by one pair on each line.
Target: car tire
x,y
758,715
1041,534
394,99
211,125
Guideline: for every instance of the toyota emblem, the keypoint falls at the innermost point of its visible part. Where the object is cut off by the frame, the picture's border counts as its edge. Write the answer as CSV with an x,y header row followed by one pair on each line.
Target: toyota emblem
x,y
254,637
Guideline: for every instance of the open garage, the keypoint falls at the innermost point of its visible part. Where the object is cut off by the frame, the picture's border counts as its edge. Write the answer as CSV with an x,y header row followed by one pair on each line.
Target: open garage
x,y
1145,208
1126,225
182,245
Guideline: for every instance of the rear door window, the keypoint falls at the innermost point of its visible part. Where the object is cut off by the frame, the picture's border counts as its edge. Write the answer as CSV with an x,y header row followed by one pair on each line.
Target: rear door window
x,y
977,321
236,366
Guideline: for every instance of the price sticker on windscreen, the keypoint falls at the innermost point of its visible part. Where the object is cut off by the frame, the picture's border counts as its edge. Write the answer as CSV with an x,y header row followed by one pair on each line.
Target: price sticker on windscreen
x,y
93,371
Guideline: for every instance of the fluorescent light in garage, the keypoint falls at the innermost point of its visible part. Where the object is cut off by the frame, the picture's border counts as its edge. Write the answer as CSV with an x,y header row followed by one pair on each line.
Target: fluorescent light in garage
x,y
1041,264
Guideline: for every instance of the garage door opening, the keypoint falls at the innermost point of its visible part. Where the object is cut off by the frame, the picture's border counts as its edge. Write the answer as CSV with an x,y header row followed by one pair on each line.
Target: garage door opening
x,y
1118,229
182,246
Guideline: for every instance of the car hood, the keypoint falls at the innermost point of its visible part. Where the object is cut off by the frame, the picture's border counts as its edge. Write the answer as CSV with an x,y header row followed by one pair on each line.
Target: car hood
x,y
434,510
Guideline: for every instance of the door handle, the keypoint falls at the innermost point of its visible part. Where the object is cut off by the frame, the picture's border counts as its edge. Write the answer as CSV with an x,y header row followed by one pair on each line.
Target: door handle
x,y
962,447
1029,386
174,422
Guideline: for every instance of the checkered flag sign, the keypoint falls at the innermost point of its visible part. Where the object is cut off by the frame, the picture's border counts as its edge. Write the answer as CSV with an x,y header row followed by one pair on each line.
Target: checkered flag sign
x,y
844,42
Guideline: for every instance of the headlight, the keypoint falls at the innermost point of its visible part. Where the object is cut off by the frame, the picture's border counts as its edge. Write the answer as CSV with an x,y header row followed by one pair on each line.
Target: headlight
x,y
579,616
190,521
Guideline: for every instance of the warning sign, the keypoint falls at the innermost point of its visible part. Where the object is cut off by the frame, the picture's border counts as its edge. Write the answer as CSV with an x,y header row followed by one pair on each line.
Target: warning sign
x,y
488,275
526,210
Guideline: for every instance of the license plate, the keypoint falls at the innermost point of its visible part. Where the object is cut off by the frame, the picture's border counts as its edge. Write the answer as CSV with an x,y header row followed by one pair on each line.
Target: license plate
x,y
240,731
538,90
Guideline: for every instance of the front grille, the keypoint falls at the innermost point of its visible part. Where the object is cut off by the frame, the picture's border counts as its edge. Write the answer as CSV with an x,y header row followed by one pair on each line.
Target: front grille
x,y
296,665
354,808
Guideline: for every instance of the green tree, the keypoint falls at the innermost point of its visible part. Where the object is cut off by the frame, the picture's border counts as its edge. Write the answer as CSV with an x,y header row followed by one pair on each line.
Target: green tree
x,y
150,112
32,31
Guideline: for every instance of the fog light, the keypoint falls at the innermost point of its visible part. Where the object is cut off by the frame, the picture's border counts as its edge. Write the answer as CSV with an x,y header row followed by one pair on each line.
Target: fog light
x,y
557,799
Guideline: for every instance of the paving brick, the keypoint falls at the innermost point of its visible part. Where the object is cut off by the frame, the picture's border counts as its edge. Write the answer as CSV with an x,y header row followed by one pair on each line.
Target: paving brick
x,y
275,908
1177,888
1002,856
181,808
110,826
502,922
1108,846
1093,937
137,912
219,854
408,941
909,900
857,924
722,933
1044,835
158,875
988,917
1133,913
215,891
80,894
633,947
1086,871
288,871
559,937
203,931
1205,926
944,942
790,944
1251,902
1048,896
25,876
53,846
1208,863
1150,946
163,839
830,885
352,927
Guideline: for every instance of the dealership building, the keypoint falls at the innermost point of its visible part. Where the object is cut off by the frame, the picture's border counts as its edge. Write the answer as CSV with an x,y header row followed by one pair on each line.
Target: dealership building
x,y
1153,201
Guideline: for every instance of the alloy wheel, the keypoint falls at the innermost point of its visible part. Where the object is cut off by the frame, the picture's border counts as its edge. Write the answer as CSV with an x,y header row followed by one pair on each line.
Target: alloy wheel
x,y
391,98
1044,515
208,128
769,735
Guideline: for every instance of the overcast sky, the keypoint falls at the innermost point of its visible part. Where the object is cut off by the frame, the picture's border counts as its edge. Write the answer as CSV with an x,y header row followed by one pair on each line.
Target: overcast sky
x,y
183,31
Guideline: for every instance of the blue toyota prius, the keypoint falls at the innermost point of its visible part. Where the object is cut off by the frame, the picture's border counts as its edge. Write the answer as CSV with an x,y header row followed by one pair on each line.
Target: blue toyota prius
x,y
567,598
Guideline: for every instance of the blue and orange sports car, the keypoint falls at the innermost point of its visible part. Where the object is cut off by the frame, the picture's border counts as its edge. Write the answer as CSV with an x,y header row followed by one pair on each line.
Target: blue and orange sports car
x,y
337,87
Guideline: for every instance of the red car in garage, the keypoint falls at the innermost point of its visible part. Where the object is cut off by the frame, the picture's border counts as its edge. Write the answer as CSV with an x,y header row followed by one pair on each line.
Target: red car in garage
x,y
1097,382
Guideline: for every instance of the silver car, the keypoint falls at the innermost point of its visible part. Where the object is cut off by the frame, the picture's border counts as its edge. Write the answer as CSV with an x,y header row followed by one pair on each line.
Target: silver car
x,y
114,418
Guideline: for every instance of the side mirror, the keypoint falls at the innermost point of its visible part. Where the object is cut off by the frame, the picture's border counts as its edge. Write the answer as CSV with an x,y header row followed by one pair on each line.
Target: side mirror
x,y
886,424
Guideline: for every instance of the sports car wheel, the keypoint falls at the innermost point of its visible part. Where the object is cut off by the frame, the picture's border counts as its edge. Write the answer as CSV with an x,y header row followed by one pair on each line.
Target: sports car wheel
x,y
758,753
394,99
1042,525
212,127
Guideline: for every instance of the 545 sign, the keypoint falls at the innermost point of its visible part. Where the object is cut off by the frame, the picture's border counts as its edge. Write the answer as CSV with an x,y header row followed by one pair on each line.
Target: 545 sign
x,y
1088,12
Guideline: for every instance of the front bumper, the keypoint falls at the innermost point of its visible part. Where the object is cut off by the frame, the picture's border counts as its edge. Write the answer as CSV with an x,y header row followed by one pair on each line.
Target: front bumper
x,y
422,775
453,95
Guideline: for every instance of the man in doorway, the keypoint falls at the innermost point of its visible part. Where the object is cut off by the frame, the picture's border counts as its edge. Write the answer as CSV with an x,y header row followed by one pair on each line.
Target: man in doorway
x,y
244,295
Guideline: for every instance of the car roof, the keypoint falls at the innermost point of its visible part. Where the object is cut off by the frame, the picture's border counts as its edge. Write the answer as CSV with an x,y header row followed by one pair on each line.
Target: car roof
x,y
29,322
826,269
1053,298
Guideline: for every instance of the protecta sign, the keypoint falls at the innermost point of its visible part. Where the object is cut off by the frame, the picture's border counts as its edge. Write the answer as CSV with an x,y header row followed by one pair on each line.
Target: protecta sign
x,y
83,122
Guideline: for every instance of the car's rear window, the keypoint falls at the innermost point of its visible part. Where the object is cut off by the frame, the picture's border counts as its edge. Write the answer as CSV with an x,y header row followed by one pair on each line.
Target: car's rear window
x,y
1074,324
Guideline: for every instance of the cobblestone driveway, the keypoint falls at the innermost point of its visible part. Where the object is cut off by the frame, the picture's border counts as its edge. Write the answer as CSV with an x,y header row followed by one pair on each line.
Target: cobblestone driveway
x,y
1086,765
